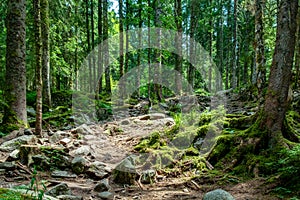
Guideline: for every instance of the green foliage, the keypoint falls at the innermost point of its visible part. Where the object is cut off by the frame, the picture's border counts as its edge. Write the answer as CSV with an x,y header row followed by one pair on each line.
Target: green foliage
x,y
13,195
31,98
37,186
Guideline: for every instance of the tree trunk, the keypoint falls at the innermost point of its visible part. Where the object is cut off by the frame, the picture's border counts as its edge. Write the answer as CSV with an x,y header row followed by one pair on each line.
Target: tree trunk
x,y
139,52
178,43
276,103
121,57
93,59
158,56
38,67
106,49
193,23
234,50
259,48
100,46
15,91
46,53
297,53
87,21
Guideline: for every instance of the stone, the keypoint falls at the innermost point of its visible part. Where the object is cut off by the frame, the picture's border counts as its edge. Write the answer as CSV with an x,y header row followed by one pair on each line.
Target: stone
x,y
31,111
15,143
102,186
148,176
65,141
8,165
28,131
62,174
41,161
218,194
54,138
14,155
81,151
125,122
125,172
60,189
78,165
84,130
69,197
106,195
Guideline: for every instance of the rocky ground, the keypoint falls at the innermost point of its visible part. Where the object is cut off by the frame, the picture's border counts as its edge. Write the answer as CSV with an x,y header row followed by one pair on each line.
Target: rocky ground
x,y
97,162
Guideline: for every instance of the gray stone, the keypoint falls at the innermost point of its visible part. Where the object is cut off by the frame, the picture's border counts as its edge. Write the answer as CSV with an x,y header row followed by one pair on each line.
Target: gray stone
x,y
106,195
81,151
8,165
14,155
69,197
125,172
62,174
78,165
84,130
28,131
102,186
218,195
15,143
60,189
148,176
54,138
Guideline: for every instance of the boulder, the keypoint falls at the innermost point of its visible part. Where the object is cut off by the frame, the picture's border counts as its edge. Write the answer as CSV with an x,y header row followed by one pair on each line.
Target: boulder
x,y
125,172
62,174
15,143
69,197
106,195
78,165
102,186
60,189
218,195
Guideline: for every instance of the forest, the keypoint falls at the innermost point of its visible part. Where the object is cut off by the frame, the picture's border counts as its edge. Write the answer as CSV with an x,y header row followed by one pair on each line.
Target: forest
x,y
150,99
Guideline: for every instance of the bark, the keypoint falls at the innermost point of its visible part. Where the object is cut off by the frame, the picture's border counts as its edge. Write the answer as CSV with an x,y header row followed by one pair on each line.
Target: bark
x,y
297,53
259,47
235,48
276,103
46,53
140,23
93,59
193,23
106,49
15,91
100,50
158,56
179,59
38,67
87,21
121,57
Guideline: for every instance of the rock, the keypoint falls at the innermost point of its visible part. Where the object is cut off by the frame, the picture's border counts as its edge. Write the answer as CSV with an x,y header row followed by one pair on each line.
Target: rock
x,y
65,162
125,172
81,151
78,165
84,130
54,138
8,165
31,111
97,170
62,174
60,189
28,131
125,122
102,186
106,195
218,195
26,153
69,197
65,141
14,144
14,155
148,176
41,161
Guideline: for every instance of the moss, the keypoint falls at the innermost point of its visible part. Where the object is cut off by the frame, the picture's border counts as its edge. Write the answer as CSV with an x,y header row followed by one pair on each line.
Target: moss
x,y
13,195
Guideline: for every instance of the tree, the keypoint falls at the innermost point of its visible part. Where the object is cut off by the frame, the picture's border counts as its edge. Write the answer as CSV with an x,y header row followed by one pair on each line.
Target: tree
x,y
15,91
121,58
38,66
259,46
106,49
276,103
178,62
46,52
100,54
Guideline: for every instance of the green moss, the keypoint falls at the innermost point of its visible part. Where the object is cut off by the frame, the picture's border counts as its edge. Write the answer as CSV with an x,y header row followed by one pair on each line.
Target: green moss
x,y
13,195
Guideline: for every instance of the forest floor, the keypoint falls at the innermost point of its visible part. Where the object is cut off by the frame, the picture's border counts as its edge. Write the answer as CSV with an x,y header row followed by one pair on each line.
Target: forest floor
x,y
110,143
